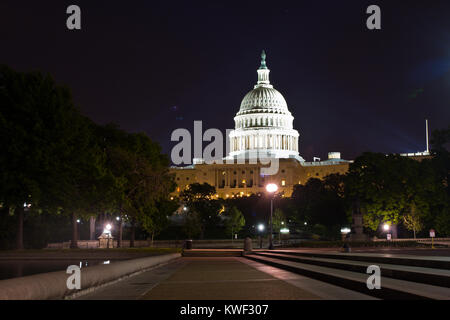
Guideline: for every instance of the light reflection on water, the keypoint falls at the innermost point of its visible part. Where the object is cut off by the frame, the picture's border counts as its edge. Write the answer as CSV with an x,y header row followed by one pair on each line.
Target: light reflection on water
x,y
20,268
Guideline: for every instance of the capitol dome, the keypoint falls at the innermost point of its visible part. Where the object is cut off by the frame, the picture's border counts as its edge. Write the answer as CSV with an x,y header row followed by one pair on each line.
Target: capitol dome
x,y
264,123
263,98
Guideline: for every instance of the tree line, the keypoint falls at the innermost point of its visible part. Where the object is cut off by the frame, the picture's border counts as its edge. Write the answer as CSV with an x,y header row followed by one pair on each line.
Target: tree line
x,y
389,189
56,161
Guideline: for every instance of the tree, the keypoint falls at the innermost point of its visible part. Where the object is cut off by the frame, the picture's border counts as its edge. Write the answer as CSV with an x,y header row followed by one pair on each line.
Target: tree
x,y
413,221
321,202
142,179
278,221
54,159
201,205
383,184
440,164
191,225
89,188
392,188
39,132
234,221
157,219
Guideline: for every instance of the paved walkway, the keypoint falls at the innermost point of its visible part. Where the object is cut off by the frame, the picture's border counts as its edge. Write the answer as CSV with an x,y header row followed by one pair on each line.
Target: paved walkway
x,y
224,278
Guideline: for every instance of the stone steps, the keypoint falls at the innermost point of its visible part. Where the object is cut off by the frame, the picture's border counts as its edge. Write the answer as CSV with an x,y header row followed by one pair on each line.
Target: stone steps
x,y
397,281
212,253
437,277
398,259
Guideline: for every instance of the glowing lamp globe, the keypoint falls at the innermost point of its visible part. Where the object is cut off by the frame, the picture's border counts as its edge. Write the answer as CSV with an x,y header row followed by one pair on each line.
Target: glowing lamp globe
x,y
271,187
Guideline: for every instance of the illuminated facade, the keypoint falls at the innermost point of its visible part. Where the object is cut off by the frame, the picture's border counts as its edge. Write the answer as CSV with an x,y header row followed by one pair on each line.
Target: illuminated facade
x,y
263,126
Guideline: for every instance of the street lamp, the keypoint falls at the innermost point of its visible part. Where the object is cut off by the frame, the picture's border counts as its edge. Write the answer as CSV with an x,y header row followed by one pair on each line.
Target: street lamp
x,y
107,229
271,188
107,233
386,228
344,232
261,230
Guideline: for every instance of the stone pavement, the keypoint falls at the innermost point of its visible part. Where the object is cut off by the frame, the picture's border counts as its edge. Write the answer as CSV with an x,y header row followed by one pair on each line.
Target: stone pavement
x,y
220,278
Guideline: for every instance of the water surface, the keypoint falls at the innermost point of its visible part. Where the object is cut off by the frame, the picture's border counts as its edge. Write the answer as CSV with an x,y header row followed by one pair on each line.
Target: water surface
x,y
20,268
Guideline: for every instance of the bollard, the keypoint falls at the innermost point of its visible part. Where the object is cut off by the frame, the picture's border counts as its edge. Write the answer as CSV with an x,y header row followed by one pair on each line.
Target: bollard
x,y
248,245
346,248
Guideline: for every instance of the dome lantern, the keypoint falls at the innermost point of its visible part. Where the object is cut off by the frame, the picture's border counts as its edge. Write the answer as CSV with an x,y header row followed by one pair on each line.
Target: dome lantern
x,y
263,73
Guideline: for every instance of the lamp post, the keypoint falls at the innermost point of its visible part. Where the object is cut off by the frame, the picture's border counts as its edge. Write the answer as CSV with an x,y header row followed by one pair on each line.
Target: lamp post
x,y
386,228
271,188
344,232
260,229
106,236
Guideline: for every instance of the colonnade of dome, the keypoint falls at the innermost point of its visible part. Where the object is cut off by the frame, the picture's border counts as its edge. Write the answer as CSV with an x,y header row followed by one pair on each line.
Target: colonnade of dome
x,y
264,122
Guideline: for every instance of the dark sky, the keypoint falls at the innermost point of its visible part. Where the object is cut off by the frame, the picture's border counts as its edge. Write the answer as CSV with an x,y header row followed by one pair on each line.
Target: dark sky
x,y
154,66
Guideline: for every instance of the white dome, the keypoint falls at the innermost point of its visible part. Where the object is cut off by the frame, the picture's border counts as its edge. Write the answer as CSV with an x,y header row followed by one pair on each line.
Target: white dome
x,y
264,98
264,124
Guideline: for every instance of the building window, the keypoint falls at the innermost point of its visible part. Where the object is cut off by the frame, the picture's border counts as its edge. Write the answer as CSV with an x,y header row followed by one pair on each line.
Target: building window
x,y
282,171
243,172
283,182
187,178
234,172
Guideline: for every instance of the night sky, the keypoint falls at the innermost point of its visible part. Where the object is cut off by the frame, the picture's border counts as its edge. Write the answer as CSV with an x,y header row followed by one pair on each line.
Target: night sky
x,y
155,66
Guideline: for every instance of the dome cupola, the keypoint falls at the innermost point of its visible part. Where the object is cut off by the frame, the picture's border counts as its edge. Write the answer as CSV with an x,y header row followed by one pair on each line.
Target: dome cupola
x,y
263,96
264,122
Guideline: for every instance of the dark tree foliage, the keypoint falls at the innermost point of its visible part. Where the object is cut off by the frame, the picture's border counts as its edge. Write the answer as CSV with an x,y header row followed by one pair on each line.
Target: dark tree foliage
x,y
392,189
141,182
203,208
440,165
321,205
234,221
43,139
55,161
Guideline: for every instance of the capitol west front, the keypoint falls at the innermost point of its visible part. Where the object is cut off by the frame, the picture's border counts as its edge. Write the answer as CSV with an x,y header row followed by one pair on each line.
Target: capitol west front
x,y
263,126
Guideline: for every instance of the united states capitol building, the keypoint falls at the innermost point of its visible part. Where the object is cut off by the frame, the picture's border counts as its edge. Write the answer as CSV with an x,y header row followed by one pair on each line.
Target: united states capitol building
x,y
263,126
